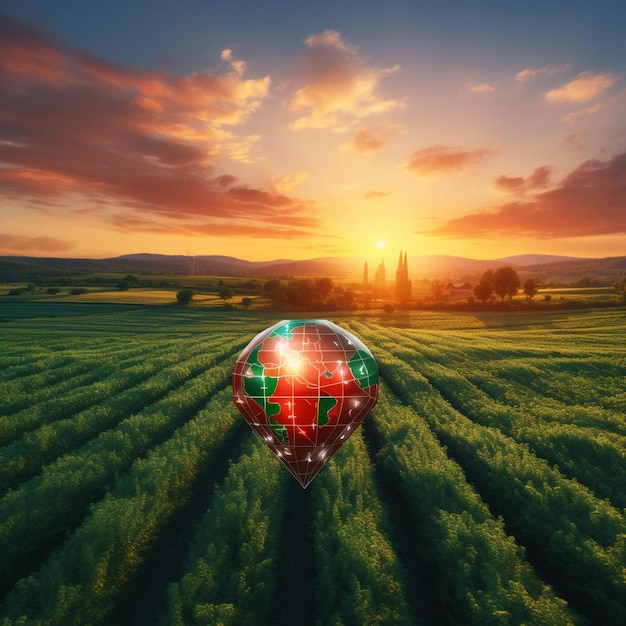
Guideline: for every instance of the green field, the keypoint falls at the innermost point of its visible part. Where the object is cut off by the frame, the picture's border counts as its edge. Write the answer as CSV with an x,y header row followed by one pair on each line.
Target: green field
x,y
487,487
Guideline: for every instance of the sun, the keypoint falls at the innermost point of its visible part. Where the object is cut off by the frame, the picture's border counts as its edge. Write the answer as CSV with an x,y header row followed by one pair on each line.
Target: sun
x,y
380,244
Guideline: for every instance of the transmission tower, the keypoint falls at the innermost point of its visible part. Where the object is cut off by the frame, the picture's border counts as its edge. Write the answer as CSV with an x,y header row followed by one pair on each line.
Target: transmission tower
x,y
191,263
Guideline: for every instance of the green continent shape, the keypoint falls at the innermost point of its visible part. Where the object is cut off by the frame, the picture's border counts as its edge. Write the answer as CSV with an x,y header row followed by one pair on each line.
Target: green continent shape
x,y
260,387
279,430
286,329
325,404
363,368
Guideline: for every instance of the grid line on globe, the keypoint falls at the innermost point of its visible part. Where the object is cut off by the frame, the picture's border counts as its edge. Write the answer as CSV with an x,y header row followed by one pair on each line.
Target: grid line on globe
x,y
304,386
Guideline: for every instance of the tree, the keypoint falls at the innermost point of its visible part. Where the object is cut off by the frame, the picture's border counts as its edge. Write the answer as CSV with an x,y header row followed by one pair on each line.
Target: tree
x,y
323,287
484,288
184,296
275,290
530,288
224,292
300,293
133,281
506,282
246,302
436,286
123,285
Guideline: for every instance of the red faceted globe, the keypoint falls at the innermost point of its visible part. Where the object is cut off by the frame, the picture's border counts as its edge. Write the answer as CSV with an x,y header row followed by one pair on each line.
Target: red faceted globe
x,y
304,386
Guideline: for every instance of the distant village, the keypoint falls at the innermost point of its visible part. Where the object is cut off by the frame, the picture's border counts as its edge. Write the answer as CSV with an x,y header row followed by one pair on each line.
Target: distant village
x,y
403,287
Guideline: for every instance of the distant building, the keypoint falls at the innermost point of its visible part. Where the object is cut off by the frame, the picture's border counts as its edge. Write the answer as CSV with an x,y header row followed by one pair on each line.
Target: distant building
x,y
403,284
458,292
365,278
380,280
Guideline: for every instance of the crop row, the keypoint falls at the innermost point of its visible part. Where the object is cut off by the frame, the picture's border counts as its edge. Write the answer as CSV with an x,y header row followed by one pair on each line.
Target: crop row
x,y
32,516
80,398
124,393
480,575
84,577
81,372
232,566
359,577
576,540
591,455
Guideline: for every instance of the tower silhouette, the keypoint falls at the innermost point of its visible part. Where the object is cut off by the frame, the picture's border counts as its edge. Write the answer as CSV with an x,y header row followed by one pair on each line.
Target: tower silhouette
x,y
379,280
403,284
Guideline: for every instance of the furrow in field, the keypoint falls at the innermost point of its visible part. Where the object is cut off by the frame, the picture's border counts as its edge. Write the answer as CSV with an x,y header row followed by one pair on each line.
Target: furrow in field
x,y
360,577
37,515
477,573
575,540
25,457
86,368
16,425
234,566
144,598
85,577
595,457
52,363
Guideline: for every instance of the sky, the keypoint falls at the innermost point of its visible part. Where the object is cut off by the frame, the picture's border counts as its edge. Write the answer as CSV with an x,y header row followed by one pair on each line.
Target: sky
x,y
266,130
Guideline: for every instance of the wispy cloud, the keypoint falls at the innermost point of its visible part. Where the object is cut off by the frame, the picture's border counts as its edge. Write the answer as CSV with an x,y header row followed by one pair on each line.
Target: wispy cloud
x,y
71,122
283,184
576,116
437,160
588,201
367,140
339,88
546,70
10,244
586,86
479,87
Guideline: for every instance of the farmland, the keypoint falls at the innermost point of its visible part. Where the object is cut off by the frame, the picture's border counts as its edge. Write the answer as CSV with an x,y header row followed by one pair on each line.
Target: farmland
x,y
488,486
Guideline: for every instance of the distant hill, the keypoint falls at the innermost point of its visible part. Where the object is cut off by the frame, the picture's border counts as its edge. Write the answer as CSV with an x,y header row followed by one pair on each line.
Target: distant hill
x,y
559,269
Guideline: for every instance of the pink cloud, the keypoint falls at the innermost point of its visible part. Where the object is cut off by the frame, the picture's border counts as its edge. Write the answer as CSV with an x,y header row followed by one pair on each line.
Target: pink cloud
x,y
588,201
546,70
367,141
539,179
586,86
71,122
480,88
338,86
436,160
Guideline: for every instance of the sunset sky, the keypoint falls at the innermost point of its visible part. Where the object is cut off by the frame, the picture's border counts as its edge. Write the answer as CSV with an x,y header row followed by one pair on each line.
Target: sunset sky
x,y
267,130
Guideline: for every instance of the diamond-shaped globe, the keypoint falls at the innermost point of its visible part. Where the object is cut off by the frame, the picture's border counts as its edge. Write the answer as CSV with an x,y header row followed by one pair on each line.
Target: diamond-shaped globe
x,y
304,386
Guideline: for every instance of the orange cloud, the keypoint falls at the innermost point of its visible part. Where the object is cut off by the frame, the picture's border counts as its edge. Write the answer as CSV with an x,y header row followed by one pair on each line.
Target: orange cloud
x,y
596,108
589,201
9,244
546,70
539,179
367,141
586,86
71,122
283,184
436,160
339,87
